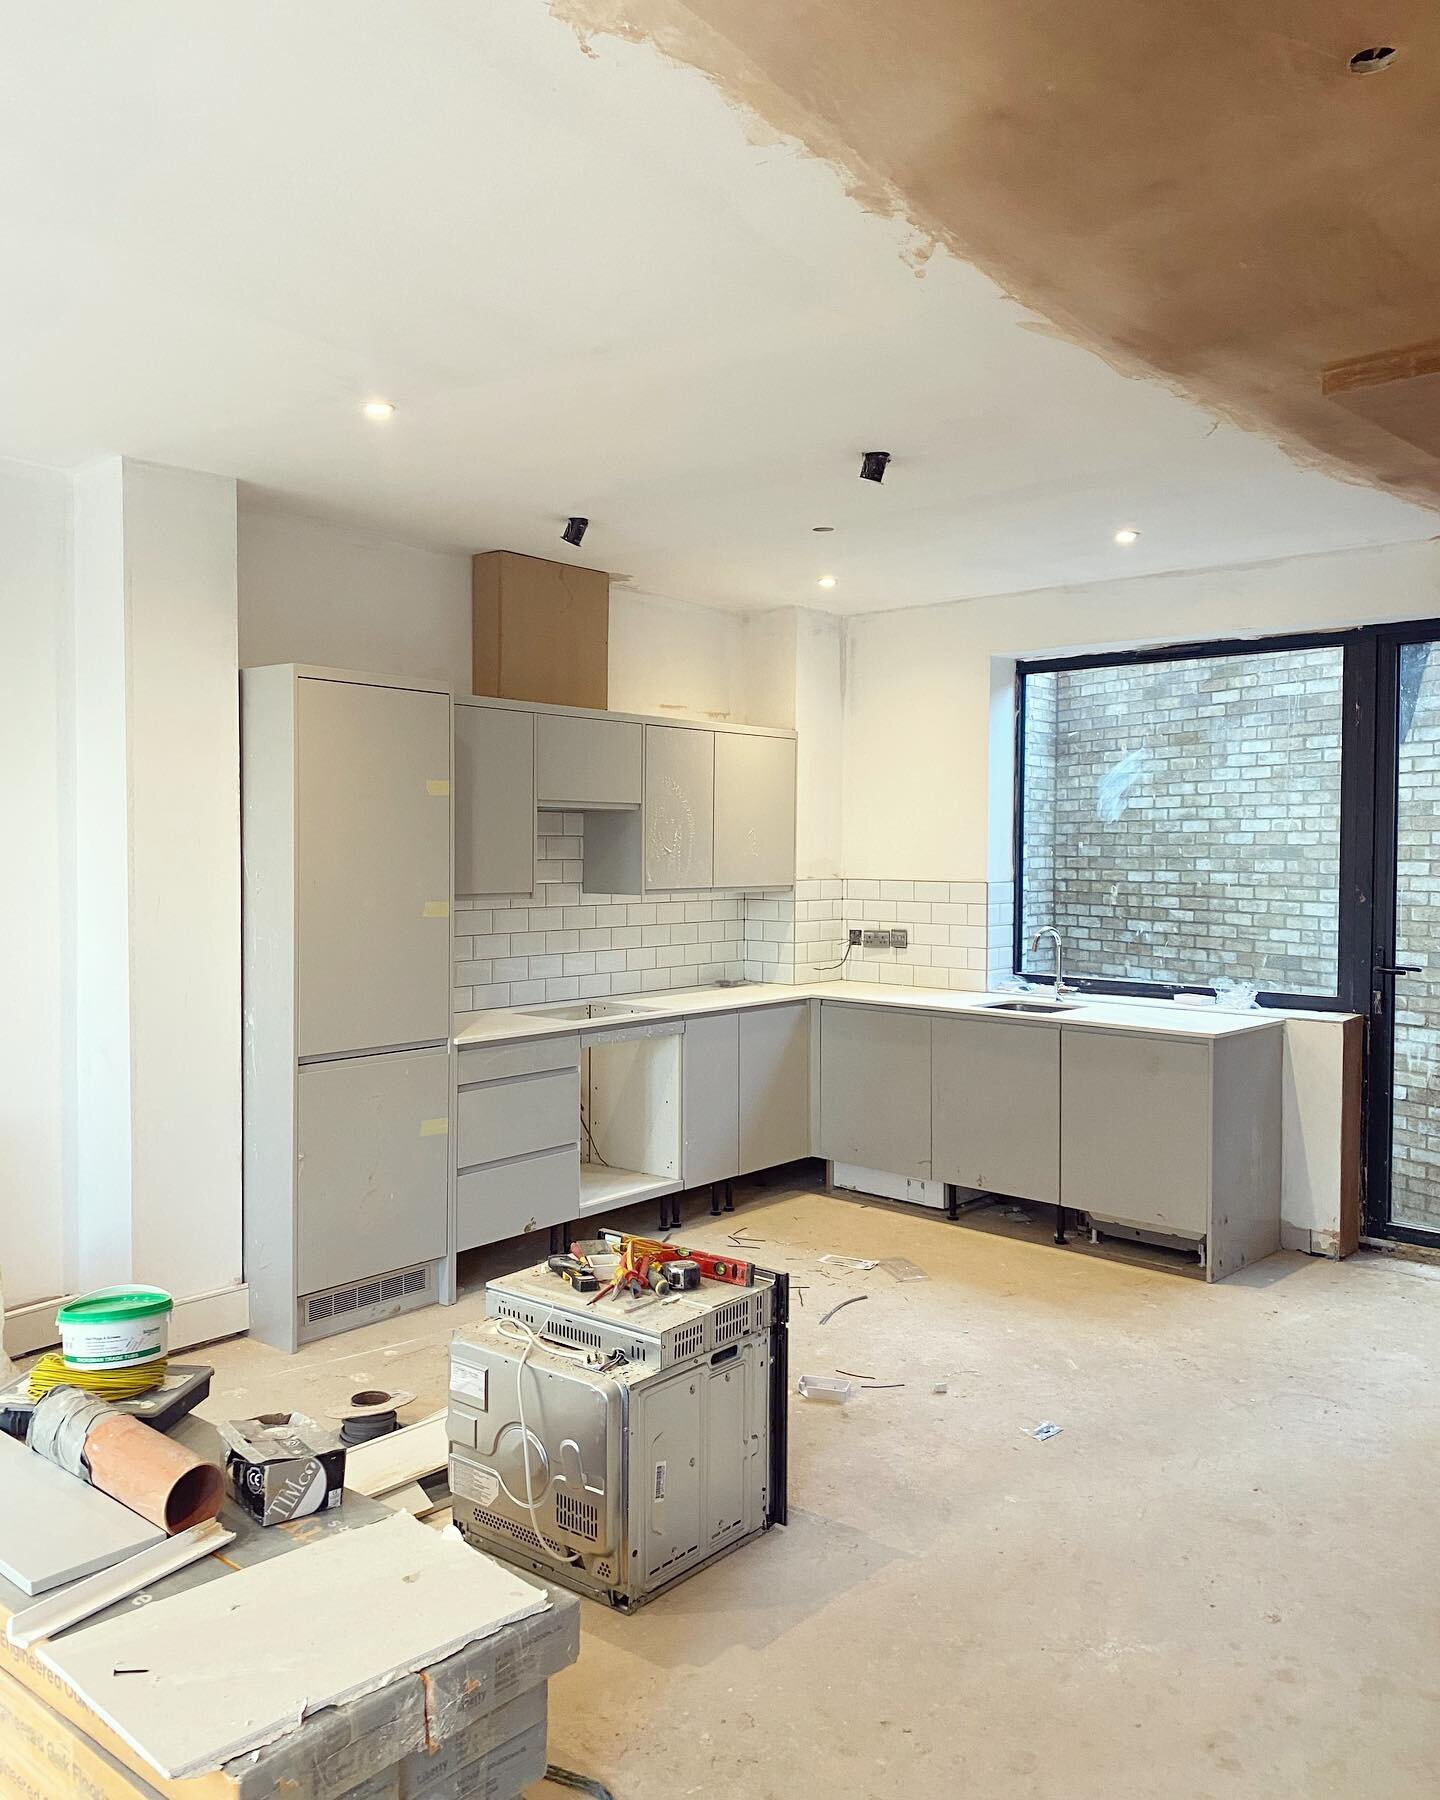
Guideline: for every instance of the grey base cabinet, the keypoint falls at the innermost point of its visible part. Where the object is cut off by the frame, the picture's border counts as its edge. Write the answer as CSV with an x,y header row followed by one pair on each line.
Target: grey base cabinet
x,y
1176,1138
995,1106
875,1088
745,1092
517,1138
374,1166
774,1086
710,1100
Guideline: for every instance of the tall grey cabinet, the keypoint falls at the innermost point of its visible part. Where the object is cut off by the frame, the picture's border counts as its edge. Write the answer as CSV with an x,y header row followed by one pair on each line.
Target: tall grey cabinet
x,y
345,785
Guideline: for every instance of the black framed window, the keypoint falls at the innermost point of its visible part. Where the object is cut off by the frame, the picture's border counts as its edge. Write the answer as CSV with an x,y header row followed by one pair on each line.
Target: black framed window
x,y
1179,818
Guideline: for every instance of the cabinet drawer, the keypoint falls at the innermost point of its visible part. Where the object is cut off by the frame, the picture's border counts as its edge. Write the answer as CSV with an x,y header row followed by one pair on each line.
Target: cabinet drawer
x,y
511,1118
491,1062
523,1194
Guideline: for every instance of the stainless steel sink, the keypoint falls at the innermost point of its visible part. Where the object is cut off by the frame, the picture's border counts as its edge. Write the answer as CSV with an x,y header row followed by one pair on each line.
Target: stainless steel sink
x,y
1030,1006
590,1009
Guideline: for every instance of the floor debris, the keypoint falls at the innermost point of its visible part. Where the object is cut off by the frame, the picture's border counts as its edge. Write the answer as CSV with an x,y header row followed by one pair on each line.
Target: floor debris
x,y
854,1300
1043,1432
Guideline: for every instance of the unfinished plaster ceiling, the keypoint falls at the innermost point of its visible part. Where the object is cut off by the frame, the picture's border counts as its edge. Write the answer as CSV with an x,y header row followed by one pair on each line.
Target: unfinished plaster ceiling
x,y
1234,197
595,280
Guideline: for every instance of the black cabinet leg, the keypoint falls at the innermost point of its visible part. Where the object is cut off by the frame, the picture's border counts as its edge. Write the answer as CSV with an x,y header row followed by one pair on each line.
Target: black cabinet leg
x,y
557,1240
729,1196
1059,1224
714,1199
952,1200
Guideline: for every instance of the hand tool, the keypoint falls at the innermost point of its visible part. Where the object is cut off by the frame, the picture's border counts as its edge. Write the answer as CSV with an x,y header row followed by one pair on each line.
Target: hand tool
x,y
579,1274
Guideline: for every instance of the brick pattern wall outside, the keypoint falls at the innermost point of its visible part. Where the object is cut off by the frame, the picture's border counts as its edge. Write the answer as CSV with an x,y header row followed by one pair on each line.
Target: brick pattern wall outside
x,y
1415,1160
1182,819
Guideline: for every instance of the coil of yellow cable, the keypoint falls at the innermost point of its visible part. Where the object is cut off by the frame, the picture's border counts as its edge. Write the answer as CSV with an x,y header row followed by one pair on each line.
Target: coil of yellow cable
x,y
52,1371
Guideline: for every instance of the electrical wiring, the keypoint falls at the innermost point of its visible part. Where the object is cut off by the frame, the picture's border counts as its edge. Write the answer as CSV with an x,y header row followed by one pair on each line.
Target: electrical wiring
x,y
837,965
52,1371
516,1329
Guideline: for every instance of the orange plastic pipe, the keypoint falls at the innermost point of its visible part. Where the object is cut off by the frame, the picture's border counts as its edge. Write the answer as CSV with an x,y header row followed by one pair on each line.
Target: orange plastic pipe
x,y
163,1482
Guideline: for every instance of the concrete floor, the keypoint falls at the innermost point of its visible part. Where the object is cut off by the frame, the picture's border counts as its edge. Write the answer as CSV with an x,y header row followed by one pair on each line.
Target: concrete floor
x,y
1220,1580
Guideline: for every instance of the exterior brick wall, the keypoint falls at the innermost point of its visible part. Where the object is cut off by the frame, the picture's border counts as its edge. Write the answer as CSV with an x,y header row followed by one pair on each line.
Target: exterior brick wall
x,y
1182,819
1415,1150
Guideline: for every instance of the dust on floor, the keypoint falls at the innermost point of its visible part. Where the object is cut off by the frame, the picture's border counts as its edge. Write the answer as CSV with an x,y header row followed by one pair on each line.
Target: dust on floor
x,y
1215,1581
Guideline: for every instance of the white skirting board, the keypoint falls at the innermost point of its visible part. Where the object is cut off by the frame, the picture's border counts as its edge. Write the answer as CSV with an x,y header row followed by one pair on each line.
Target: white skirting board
x,y
224,1668
198,1319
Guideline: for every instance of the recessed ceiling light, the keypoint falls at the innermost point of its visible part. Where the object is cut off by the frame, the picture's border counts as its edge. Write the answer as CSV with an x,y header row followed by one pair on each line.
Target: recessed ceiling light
x,y
378,409
1376,56
826,581
822,527
1127,534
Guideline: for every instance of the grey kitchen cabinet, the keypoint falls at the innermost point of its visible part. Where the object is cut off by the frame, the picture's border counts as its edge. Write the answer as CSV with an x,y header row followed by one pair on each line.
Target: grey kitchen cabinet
x,y
710,1099
374,1167
517,1138
995,1105
588,761
495,799
372,866
679,807
875,1088
754,811
774,1085
1175,1137
346,826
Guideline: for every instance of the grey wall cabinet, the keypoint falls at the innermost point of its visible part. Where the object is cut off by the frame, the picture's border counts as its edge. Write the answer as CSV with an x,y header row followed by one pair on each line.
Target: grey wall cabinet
x,y
1174,1136
374,1166
345,783
679,807
495,800
372,866
774,1085
582,761
875,1088
754,811
995,1104
710,1099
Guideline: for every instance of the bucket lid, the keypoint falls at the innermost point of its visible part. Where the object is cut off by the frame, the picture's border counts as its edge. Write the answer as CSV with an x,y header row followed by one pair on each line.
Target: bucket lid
x,y
115,1306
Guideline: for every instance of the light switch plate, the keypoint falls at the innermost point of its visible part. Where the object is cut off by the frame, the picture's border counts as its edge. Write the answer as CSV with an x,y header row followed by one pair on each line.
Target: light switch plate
x,y
899,938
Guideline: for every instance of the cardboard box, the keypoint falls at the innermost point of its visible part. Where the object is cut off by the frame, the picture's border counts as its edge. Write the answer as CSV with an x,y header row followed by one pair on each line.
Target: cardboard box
x,y
283,1466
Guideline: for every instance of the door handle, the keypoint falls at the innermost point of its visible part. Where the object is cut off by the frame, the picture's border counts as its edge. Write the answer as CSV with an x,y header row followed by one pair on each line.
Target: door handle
x,y
1400,968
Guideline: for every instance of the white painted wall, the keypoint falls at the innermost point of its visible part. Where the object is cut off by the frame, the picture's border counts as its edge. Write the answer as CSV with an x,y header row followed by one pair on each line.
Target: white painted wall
x,y
313,592
670,657
928,700
155,998
34,652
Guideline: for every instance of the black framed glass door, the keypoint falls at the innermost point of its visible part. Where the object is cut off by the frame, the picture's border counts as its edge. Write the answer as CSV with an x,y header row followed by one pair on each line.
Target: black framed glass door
x,y
1403,1099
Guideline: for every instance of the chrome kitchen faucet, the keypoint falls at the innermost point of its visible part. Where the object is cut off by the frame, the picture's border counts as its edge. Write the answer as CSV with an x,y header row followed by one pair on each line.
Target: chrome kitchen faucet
x,y
1050,932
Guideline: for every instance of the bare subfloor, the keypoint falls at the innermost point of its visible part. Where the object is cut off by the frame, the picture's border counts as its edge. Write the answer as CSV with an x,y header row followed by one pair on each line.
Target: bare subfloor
x,y
1221,1579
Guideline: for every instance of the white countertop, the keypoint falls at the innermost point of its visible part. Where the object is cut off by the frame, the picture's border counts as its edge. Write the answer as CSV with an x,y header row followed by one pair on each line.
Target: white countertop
x,y
1102,1012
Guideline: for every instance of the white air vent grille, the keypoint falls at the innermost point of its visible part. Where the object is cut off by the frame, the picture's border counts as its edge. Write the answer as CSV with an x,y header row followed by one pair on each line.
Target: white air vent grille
x,y
503,1527
689,1340
356,1296
733,1319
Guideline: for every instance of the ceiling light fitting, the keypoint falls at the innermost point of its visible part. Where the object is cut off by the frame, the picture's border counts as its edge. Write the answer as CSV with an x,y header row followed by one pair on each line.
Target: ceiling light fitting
x,y
873,465
1377,56
822,527
575,530
1127,534
826,581
378,409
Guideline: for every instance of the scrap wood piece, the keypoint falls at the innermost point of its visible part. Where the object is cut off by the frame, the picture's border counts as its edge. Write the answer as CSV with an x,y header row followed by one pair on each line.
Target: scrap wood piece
x,y
840,1306
383,1464
339,1619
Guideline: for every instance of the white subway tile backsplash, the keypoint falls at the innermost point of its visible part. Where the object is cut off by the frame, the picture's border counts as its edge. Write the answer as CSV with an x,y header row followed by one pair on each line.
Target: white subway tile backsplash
x,y
562,945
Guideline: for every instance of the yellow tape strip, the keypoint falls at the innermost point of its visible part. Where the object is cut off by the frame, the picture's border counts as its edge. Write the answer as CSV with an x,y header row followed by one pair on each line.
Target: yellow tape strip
x,y
434,1128
437,789
436,909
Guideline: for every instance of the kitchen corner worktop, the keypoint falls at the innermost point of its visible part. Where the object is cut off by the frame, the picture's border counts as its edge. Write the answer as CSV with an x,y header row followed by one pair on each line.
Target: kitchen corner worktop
x,y
1102,1013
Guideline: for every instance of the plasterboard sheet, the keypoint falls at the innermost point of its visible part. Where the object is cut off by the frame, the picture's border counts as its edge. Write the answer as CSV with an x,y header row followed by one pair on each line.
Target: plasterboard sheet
x,y
55,1528
223,1668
